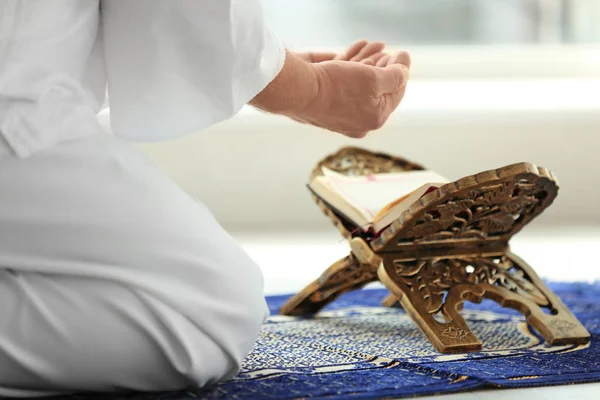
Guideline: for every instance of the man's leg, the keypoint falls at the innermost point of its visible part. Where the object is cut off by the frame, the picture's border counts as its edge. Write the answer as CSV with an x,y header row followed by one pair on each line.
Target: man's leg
x,y
111,277
63,333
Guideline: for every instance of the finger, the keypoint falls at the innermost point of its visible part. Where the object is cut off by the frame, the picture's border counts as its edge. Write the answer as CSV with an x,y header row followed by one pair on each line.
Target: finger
x,y
303,56
400,57
355,134
368,61
299,120
383,61
368,50
313,57
378,56
320,57
391,78
393,100
352,50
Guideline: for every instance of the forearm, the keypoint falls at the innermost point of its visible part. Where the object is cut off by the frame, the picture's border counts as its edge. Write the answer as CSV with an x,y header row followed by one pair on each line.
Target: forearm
x,y
293,88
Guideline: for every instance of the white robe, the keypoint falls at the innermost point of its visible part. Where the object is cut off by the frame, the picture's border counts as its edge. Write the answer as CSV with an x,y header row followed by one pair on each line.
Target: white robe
x,y
111,277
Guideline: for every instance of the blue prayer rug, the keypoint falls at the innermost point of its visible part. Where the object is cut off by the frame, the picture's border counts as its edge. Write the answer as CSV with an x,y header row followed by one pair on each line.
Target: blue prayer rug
x,y
357,349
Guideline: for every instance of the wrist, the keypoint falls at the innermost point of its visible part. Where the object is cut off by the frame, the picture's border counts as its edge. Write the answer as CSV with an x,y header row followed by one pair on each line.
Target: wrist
x,y
295,87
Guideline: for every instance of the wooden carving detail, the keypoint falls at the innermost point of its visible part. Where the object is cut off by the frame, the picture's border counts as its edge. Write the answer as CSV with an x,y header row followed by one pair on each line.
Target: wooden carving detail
x,y
354,161
488,207
483,213
430,279
433,290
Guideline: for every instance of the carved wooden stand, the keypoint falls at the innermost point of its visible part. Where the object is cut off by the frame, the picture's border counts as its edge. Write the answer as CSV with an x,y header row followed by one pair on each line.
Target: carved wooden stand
x,y
448,247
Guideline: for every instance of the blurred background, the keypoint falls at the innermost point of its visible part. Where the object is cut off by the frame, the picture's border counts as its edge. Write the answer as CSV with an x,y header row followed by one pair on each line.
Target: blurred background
x,y
435,22
493,82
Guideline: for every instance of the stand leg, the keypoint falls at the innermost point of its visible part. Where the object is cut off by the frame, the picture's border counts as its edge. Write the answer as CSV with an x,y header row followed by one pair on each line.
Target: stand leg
x,y
427,287
344,275
452,336
558,327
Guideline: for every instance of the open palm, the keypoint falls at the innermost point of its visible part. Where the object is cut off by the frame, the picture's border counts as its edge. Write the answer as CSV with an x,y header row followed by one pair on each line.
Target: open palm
x,y
371,53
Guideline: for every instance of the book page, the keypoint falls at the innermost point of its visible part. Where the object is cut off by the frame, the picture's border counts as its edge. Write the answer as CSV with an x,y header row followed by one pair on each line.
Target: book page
x,y
374,192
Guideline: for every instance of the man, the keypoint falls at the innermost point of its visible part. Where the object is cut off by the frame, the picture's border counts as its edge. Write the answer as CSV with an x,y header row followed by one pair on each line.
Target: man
x,y
111,277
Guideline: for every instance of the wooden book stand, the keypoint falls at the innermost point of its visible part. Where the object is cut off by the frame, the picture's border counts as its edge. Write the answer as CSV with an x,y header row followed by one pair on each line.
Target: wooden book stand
x,y
448,247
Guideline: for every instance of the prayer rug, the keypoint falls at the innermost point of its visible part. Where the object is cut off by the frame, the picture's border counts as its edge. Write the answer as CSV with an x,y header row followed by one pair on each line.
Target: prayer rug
x,y
356,349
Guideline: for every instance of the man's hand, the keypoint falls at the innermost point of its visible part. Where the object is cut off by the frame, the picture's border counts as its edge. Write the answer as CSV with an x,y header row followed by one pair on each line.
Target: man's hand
x,y
370,53
355,98
361,51
351,93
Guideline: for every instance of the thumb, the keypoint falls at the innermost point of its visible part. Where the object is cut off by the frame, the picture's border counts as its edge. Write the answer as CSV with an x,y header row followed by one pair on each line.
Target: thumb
x,y
392,78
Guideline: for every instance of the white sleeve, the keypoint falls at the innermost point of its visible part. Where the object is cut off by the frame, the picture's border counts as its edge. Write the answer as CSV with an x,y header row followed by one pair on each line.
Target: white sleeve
x,y
174,67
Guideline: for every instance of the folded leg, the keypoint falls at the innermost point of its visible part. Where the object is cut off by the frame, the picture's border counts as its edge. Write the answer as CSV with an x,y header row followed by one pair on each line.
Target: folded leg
x,y
111,277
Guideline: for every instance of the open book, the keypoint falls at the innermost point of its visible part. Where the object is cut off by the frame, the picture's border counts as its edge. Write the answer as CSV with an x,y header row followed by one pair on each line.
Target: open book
x,y
373,202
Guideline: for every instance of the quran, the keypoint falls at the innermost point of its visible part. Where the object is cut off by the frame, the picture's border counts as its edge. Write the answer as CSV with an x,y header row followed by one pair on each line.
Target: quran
x,y
372,202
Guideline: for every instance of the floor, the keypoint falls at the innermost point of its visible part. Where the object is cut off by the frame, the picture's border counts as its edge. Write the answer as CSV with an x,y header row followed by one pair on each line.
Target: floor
x,y
290,261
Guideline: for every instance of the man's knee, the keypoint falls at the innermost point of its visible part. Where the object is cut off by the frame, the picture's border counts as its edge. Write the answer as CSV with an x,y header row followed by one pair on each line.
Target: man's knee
x,y
224,316
244,311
